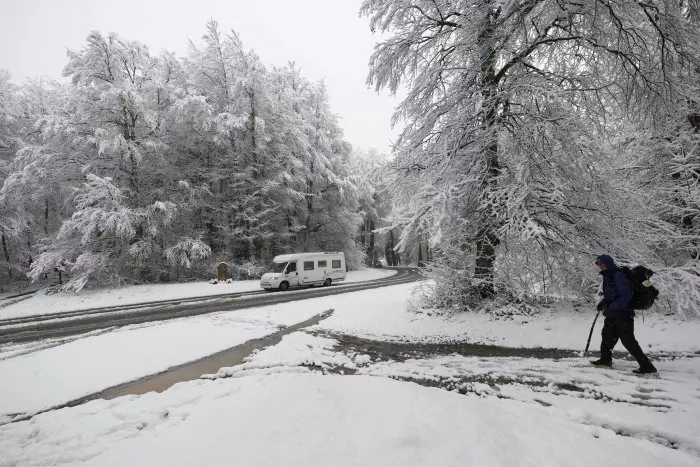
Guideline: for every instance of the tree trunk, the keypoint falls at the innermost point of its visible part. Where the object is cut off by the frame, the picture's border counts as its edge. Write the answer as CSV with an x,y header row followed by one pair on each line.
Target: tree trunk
x,y
486,243
487,240
30,259
6,252
253,135
309,205
389,249
370,244
420,254
392,257
46,216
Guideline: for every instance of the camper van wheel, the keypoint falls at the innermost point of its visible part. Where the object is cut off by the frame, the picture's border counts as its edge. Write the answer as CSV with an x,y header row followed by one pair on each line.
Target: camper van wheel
x,y
284,286
328,282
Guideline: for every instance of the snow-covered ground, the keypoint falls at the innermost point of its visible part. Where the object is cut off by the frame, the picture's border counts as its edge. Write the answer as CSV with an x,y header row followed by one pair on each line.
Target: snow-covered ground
x,y
270,411
41,303
86,364
389,314
312,420
313,400
83,366
662,410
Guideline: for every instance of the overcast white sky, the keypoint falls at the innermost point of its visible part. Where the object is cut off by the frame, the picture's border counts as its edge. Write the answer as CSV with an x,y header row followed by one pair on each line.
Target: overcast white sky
x,y
325,38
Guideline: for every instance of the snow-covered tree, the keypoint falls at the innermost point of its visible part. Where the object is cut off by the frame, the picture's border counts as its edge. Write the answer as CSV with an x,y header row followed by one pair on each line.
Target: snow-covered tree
x,y
28,199
147,167
510,153
9,115
372,174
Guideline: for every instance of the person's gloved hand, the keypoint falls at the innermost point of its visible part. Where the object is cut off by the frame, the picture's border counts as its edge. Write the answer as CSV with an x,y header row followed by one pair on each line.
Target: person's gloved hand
x,y
604,306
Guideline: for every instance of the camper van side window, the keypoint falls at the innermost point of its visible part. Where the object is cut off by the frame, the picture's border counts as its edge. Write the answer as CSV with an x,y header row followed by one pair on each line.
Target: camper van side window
x,y
336,264
308,265
291,268
322,264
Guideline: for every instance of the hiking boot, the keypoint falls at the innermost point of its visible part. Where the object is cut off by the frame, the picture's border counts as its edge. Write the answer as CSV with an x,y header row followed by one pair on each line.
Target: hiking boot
x,y
601,364
646,371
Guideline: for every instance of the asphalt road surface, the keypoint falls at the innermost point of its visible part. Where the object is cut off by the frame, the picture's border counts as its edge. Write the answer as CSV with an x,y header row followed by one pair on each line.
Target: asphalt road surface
x,y
33,328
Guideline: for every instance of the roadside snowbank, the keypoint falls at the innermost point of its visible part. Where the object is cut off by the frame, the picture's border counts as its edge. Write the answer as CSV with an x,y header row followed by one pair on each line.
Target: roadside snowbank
x,y
313,420
41,303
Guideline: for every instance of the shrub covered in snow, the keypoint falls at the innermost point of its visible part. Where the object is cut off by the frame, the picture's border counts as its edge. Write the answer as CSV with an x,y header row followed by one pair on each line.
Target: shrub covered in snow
x,y
186,251
246,270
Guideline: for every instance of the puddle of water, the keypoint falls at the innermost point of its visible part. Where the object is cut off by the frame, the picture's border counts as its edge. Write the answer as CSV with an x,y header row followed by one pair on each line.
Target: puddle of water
x,y
207,365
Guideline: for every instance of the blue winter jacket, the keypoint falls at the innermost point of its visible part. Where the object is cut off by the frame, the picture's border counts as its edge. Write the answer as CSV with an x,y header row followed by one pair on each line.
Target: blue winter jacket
x,y
617,290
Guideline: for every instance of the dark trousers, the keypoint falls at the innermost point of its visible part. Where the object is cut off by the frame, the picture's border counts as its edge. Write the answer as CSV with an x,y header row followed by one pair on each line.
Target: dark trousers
x,y
621,328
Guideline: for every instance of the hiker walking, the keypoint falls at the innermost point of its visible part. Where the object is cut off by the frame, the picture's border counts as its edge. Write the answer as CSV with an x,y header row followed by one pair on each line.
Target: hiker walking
x,y
619,317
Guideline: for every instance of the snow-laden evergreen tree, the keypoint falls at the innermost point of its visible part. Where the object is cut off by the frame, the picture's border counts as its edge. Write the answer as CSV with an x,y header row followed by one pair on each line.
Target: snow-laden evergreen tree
x,y
510,157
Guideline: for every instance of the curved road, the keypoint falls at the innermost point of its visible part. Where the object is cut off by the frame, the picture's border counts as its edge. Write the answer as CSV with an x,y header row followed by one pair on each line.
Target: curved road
x,y
55,325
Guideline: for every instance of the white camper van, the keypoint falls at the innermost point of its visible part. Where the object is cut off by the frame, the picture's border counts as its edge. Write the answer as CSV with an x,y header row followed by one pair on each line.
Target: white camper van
x,y
304,269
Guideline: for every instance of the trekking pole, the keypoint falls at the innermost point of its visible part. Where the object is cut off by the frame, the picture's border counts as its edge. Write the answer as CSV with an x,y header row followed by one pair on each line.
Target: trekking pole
x,y
590,334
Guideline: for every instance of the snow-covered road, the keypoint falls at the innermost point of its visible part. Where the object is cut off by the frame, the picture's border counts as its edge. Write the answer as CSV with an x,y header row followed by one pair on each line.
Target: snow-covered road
x,y
79,367
84,366
67,323
42,303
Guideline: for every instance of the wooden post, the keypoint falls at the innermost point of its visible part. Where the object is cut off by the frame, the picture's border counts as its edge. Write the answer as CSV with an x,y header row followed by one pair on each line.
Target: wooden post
x,y
222,270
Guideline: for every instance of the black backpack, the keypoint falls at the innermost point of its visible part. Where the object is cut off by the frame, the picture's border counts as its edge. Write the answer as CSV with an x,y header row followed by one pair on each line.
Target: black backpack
x,y
643,293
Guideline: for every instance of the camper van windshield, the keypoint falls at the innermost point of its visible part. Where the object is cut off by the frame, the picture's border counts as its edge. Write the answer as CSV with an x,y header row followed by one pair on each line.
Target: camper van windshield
x,y
277,267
